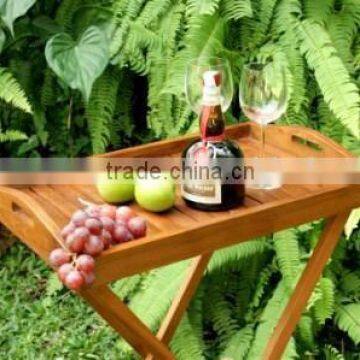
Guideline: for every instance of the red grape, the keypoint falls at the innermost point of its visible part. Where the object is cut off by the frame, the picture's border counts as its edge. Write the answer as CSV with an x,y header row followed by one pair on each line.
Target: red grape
x,y
75,243
121,234
93,246
106,238
108,211
59,257
85,263
64,270
93,211
124,213
137,226
67,230
94,226
89,278
120,222
79,217
82,232
108,223
74,280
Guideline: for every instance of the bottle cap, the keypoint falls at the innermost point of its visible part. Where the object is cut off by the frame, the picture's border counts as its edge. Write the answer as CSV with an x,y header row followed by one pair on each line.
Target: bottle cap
x,y
212,78
211,90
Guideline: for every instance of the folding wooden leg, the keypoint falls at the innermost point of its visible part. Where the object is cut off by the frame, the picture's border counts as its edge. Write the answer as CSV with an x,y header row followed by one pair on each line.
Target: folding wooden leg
x,y
136,333
117,314
305,287
182,299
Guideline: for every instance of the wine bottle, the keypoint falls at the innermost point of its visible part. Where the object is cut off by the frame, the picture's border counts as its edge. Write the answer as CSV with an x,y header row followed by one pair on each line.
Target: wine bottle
x,y
208,164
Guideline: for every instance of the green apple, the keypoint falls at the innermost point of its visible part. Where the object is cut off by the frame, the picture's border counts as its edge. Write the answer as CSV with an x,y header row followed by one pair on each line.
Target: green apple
x,y
117,190
155,194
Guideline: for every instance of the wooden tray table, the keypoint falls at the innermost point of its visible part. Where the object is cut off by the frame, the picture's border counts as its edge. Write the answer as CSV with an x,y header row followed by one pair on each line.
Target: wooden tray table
x,y
35,214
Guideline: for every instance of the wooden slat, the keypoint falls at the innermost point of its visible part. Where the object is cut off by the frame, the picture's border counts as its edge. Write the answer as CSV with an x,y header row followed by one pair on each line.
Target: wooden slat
x,y
53,198
58,216
305,287
167,248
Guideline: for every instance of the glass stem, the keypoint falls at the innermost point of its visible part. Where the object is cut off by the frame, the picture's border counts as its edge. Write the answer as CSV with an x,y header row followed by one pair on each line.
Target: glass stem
x,y
262,133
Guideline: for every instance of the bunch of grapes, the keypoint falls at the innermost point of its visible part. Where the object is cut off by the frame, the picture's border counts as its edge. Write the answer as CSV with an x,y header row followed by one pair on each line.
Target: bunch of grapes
x,y
90,231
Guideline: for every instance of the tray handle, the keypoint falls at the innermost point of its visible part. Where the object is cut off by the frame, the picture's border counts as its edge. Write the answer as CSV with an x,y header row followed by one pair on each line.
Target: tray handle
x,y
300,141
306,142
28,221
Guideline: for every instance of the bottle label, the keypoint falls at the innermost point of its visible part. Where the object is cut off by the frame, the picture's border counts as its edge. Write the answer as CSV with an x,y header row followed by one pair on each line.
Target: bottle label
x,y
200,191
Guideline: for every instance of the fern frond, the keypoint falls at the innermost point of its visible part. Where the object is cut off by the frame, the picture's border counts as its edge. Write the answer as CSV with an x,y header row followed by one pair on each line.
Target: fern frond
x,y
124,13
12,135
65,13
101,108
122,124
286,16
219,312
342,27
203,39
298,99
153,11
236,9
195,313
239,345
202,7
48,91
193,350
263,18
350,283
268,321
334,81
11,91
125,288
331,127
288,255
261,283
324,307
158,291
347,318
331,353
237,253
305,332
315,296
318,11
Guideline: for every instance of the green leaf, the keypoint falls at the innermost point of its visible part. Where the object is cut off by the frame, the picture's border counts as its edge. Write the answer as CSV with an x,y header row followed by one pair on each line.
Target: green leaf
x,y
12,135
10,10
79,63
339,91
348,320
203,7
239,344
2,39
324,306
288,255
11,91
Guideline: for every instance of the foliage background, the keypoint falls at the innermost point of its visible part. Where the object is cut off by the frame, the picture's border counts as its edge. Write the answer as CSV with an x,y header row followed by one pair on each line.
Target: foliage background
x,y
138,96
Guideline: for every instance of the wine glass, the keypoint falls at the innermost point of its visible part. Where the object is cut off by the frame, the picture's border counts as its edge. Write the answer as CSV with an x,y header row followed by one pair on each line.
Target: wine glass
x,y
194,81
263,98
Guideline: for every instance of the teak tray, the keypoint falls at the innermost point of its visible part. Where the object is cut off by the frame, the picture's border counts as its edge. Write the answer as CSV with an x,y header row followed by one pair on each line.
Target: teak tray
x,y
36,214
